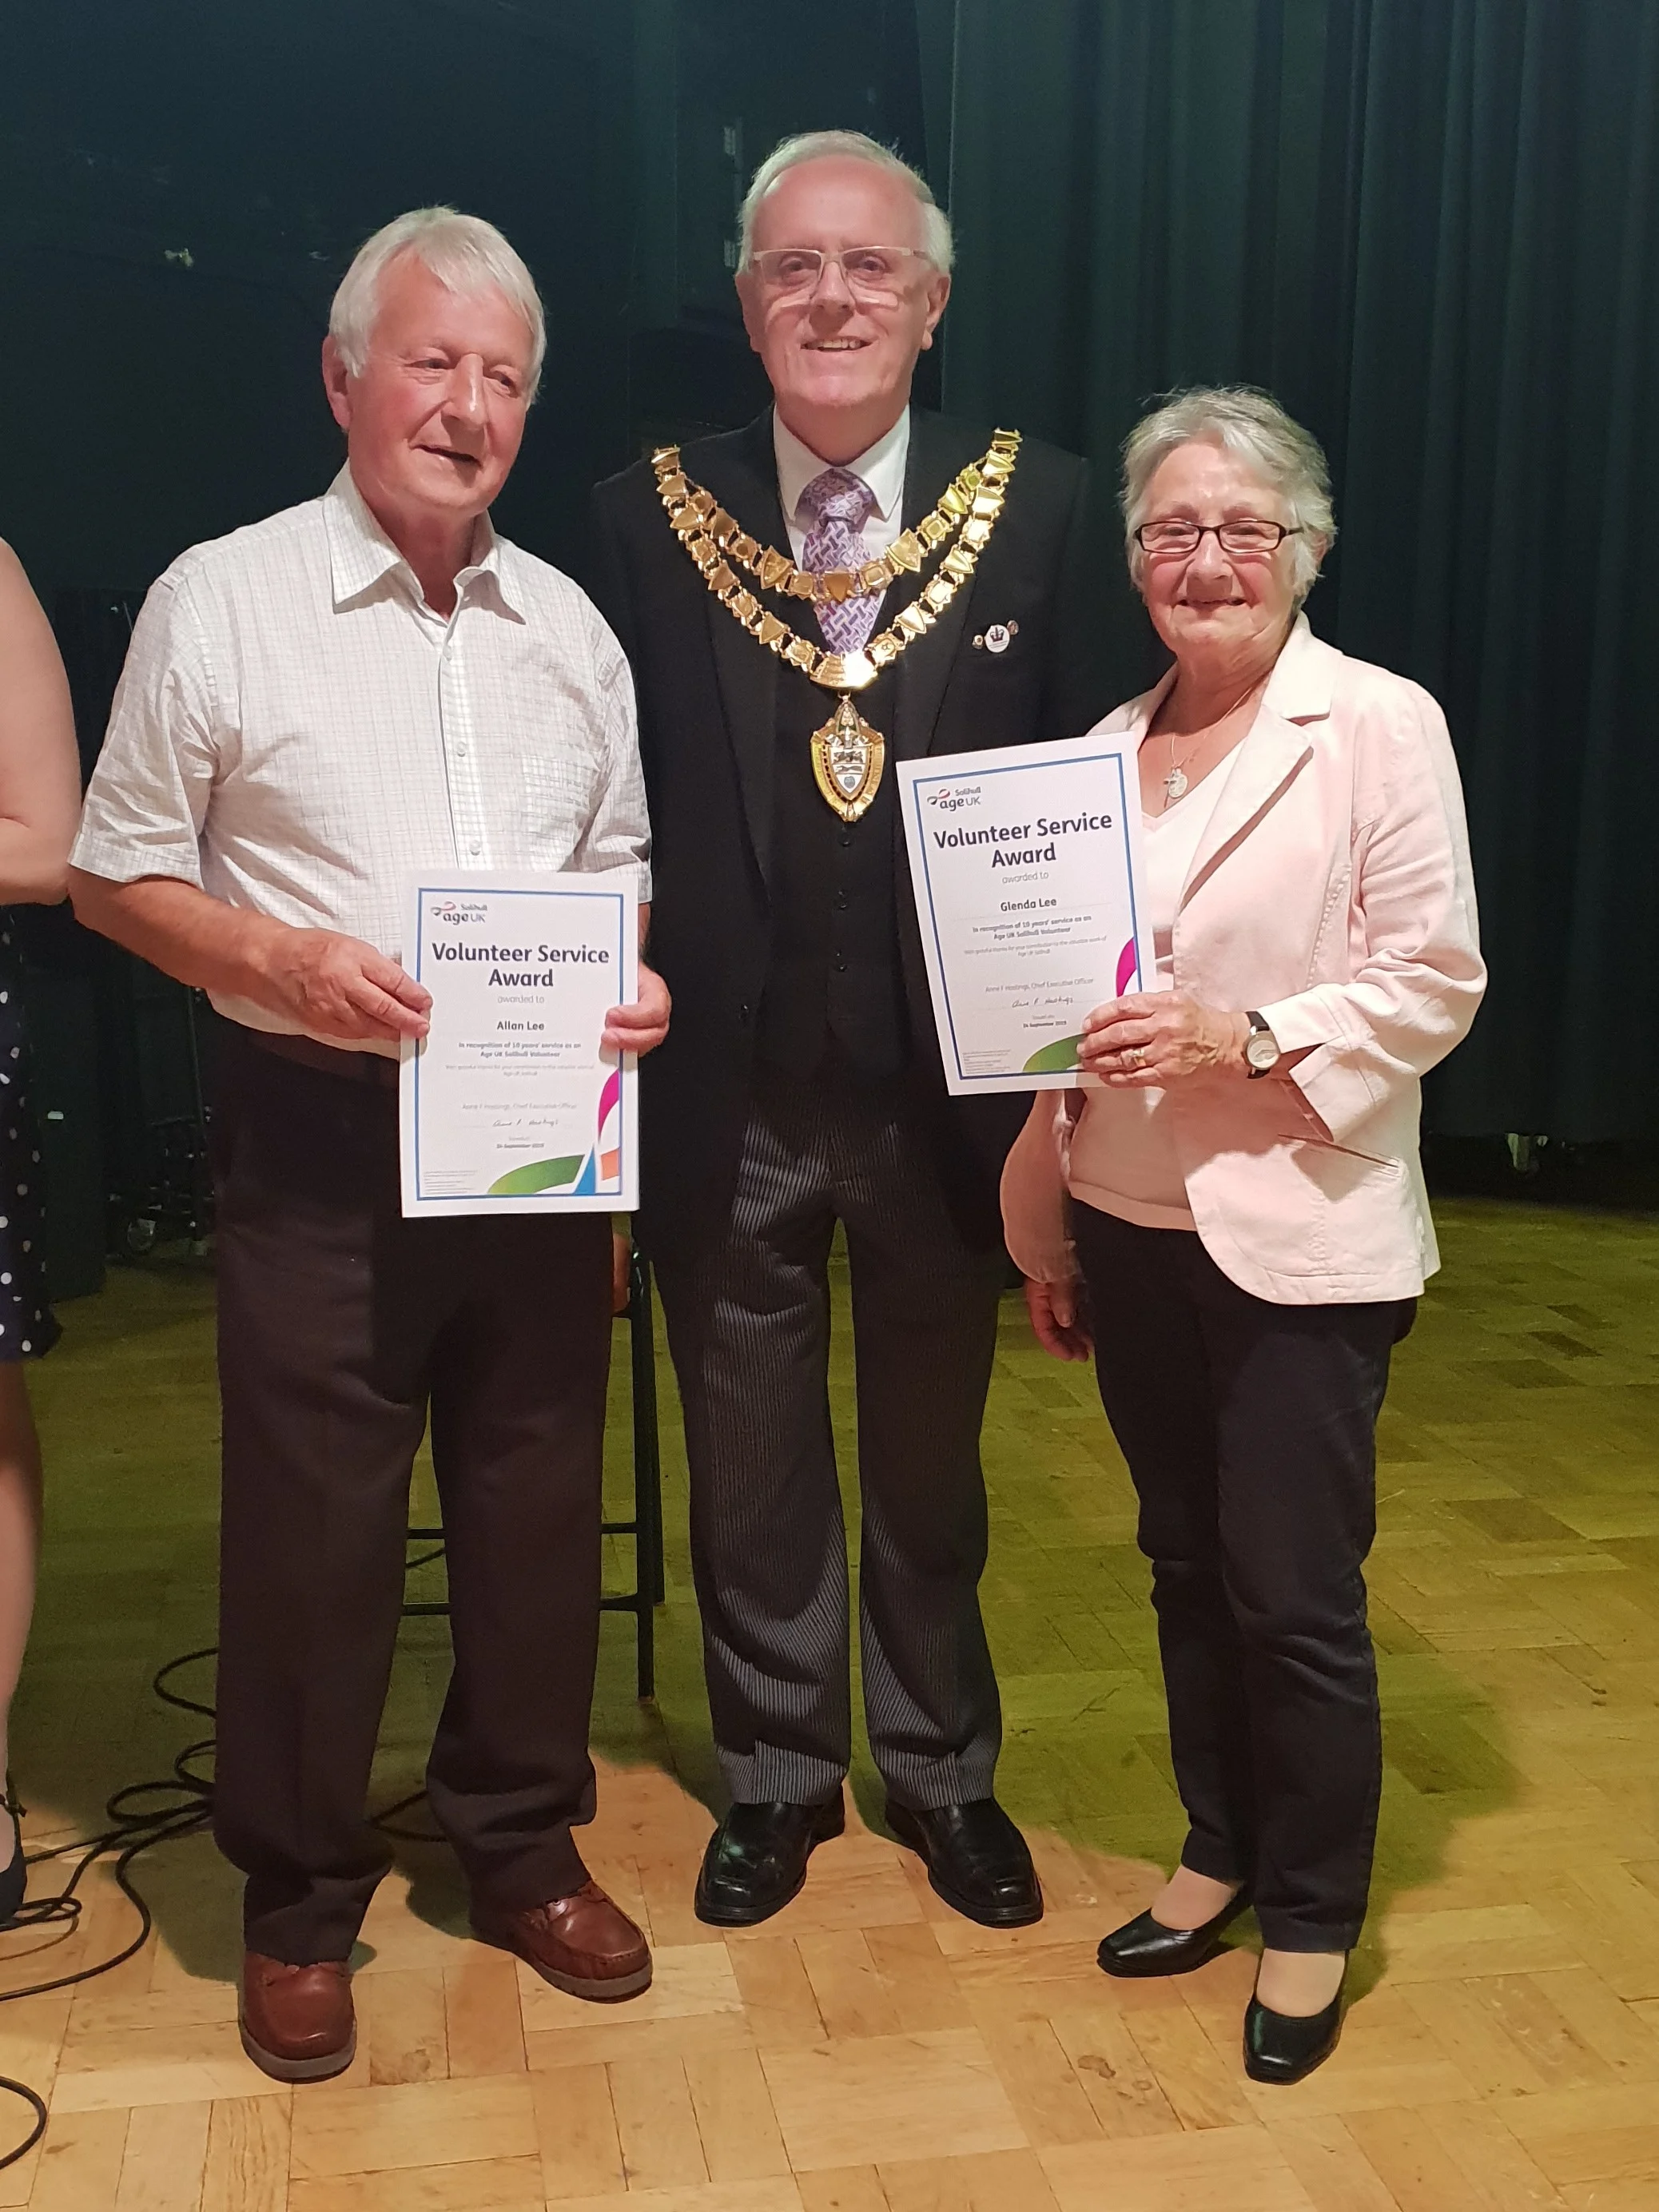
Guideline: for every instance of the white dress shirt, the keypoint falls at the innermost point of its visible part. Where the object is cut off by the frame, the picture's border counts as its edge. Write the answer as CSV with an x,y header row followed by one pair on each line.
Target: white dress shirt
x,y
882,468
296,730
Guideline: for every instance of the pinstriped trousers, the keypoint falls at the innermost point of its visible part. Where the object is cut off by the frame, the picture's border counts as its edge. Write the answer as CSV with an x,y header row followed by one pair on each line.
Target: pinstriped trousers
x,y
749,1328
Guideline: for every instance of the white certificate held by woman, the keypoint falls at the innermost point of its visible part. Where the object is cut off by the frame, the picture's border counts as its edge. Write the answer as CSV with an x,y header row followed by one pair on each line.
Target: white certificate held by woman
x,y
1026,862
509,1104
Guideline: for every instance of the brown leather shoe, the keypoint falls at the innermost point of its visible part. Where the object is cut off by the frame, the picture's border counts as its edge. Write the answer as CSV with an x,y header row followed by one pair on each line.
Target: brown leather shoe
x,y
583,1944
297,2022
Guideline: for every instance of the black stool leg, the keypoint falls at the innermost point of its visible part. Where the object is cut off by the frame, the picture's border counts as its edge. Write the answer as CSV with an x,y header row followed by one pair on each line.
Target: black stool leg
x,y
647,1472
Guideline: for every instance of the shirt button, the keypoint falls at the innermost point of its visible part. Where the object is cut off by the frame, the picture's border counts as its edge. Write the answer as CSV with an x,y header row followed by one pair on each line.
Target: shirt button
x,y
841,902
840,963
475,847
460,752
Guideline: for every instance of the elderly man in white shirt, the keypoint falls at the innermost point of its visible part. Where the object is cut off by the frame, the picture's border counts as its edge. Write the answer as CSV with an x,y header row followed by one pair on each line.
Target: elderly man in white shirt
x,y
365,684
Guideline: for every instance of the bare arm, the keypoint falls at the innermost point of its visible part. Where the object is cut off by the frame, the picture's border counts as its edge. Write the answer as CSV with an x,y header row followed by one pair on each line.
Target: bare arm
x,y
39,773
333,985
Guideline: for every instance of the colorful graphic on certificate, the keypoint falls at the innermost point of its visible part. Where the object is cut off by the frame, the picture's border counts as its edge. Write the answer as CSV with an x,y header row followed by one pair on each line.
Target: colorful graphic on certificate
x,y
1027,868
509,1104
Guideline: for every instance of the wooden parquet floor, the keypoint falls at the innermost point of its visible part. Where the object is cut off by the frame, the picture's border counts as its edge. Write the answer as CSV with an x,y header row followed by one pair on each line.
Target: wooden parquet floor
x,y
868,2051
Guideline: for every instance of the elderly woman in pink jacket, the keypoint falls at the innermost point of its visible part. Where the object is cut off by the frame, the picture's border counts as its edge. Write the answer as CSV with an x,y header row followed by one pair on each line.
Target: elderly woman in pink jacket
x,y
1231,1211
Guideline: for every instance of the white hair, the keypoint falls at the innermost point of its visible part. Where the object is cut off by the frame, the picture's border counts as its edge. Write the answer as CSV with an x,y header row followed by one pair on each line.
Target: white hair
x,y
467,254
1252,426
848,146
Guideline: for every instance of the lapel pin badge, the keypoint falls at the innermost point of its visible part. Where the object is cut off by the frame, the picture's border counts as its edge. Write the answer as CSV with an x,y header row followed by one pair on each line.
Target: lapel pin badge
x,y
998,638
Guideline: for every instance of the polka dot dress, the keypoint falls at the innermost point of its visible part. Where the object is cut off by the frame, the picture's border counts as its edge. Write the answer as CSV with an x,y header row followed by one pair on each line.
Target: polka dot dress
x,y
27,1327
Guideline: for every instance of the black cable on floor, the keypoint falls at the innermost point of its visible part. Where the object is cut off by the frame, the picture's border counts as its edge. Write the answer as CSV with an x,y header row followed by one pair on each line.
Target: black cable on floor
x,y
138,1823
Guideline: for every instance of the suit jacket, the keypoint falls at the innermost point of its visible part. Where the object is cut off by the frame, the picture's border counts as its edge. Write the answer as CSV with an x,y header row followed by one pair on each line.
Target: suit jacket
x,y
709,698
1332,893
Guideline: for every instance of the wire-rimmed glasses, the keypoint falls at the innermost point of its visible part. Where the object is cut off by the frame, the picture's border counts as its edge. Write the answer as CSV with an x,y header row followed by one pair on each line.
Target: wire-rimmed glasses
x,y
877,273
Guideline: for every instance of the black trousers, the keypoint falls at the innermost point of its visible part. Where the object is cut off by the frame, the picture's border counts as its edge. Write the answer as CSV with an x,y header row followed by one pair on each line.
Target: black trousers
x,y
340,1325
749,1328
1250,1430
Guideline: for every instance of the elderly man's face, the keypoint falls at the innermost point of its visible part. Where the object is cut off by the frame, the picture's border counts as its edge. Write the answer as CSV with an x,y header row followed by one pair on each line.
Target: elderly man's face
x,y
1210,602
434,422
825,349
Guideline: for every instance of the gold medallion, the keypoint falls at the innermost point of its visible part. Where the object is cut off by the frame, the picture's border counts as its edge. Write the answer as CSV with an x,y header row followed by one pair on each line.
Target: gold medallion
x,y
847,755
847,759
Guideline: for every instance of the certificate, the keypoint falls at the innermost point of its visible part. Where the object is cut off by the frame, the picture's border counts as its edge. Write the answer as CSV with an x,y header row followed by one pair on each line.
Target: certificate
x,y
1028,874
508,1105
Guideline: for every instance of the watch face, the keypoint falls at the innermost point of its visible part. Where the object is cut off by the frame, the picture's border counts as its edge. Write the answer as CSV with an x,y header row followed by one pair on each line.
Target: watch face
x,y
1262,1049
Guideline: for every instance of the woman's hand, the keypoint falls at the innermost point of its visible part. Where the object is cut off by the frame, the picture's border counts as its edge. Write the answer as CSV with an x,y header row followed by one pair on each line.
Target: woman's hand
x,y
1058,1319
1154,1038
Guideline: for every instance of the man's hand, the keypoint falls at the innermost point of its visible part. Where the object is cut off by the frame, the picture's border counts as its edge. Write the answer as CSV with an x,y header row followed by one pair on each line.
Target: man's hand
x,y
1154,1038
642,1026
1059,1321
339,987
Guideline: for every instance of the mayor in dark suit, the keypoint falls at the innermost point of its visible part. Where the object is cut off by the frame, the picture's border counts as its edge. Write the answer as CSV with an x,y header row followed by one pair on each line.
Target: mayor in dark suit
x,y
847,580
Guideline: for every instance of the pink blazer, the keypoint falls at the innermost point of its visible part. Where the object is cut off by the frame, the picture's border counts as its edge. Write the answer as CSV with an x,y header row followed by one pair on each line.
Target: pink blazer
x,y
1333,892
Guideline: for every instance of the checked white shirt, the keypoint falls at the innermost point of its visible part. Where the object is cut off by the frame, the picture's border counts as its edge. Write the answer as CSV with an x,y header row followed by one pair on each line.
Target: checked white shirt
x,y
296,729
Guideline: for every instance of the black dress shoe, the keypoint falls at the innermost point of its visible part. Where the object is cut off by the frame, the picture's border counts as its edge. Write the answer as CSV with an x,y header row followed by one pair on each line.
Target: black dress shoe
x,y
1143,1947
757,1859
1282,2046
977,1861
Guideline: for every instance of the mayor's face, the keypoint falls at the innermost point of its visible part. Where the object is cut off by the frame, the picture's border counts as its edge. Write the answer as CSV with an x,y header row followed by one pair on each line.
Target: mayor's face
x,y
827,345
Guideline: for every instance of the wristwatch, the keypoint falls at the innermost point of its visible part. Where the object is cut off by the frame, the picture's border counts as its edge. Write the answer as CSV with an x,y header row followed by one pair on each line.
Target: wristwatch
x,y
1261,1052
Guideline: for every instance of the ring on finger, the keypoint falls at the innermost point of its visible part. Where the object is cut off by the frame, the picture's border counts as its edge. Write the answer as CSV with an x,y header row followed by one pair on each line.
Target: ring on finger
x,y
1133,1056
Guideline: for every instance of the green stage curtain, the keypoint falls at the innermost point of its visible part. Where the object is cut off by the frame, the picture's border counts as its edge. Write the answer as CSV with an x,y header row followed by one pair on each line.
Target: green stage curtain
x,y
1431,228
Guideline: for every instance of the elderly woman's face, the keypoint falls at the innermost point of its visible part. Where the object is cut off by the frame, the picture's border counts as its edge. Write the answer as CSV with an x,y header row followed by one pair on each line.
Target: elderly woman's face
x,y
1209,602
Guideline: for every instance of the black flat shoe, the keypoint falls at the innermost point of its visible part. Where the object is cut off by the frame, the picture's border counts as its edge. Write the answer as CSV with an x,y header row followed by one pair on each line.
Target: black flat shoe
x,y
977,1861
1281,2046
757,1859
1144,1947
13,1876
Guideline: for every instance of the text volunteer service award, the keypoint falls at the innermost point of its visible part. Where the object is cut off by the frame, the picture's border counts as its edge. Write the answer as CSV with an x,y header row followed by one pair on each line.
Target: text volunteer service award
x,y
509,1104
1026,863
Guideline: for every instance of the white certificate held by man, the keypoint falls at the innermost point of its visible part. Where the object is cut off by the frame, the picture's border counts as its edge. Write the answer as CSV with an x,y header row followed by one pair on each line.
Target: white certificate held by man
x,y
1028,874
509,1104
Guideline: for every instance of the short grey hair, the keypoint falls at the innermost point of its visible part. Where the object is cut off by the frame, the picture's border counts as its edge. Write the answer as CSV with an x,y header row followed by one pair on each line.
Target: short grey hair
x,y
467,254
848,146
1251,425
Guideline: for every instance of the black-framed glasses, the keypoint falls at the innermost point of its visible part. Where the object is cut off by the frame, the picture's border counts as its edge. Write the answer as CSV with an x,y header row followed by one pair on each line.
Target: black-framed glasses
x,y
1245,534
870,272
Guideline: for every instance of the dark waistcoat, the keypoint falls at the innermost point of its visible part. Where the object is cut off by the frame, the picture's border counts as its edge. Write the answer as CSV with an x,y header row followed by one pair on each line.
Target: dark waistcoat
x,y
834,977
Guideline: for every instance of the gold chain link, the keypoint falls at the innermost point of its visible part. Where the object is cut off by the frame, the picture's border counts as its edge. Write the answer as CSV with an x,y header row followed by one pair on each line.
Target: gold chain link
x,y
967,511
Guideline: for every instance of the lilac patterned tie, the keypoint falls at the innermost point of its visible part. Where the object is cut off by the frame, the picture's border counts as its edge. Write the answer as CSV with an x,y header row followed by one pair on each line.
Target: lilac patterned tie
x,y
842,503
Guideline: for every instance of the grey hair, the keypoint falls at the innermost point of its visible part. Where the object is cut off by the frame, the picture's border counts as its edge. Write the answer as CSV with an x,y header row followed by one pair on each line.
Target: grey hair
x,y
1252,425
467,254
850,146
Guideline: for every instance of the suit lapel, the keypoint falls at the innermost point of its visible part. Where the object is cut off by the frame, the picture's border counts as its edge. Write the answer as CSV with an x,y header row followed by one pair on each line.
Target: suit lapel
x,y
937,451
742,474
1272,755
1264,768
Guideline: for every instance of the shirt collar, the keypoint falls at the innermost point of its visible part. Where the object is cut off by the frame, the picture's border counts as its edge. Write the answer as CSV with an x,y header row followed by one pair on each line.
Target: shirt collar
x,y
882,468
360,554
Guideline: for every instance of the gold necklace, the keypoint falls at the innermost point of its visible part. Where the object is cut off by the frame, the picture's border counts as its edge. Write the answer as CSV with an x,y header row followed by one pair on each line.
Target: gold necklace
x,y
847,755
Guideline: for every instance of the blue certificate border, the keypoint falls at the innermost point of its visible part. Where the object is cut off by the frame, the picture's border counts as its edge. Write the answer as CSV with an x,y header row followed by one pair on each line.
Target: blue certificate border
x,y
465,889
919,781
